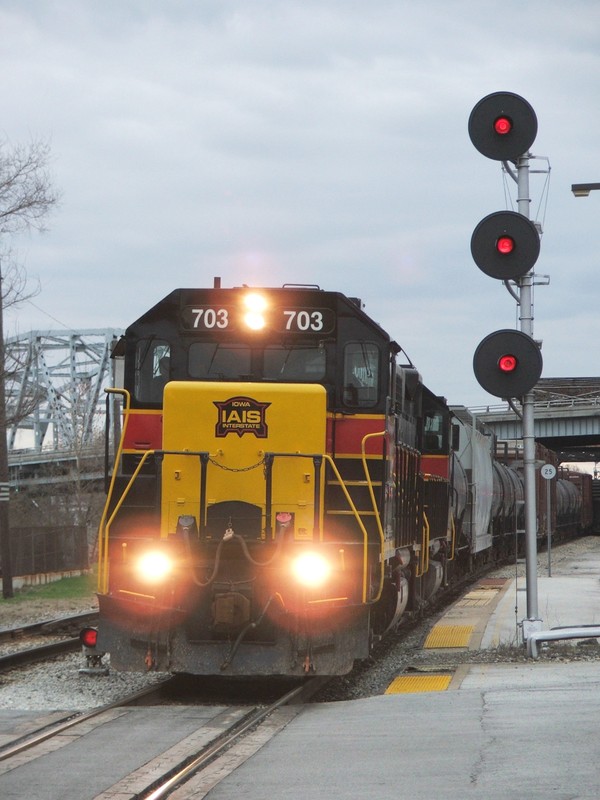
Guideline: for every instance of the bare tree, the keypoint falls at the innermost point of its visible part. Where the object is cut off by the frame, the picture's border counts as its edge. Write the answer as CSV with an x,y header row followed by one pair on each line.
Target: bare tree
x,y
14,290
26,192
26,198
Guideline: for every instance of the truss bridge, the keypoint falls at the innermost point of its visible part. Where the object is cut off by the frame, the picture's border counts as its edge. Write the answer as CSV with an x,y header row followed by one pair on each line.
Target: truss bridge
x,y
55,402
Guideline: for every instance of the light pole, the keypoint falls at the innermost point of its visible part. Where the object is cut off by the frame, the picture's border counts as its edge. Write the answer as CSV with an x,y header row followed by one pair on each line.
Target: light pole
x,y
583,189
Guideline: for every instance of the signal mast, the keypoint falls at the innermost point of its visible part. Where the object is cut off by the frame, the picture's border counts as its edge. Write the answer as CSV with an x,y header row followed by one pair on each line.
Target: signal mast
x,y
505,245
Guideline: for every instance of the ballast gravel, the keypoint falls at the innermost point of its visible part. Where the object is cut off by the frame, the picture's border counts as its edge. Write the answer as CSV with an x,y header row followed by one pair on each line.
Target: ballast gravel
x,y
58,685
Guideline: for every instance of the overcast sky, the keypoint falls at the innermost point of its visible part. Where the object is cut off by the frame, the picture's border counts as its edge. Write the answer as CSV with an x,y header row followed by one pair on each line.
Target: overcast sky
x,y
307,141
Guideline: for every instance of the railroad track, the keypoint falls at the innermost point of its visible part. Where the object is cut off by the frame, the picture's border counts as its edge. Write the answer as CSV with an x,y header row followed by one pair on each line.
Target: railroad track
x,y
68,626
52,626
175,768
58,727
180,774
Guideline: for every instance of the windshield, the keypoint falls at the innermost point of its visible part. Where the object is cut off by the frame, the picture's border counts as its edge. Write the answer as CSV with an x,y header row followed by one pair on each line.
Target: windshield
x,y
210,360
294,363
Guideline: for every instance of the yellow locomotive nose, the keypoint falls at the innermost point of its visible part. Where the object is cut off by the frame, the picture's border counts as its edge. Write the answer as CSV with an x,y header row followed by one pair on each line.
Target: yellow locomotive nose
x,y
244,429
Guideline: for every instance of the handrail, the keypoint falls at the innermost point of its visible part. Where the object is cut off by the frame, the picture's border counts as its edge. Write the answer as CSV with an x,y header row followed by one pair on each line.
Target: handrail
x,y
103,540
354,510
453,537
424,548
558,634
124,494
374,503
336,472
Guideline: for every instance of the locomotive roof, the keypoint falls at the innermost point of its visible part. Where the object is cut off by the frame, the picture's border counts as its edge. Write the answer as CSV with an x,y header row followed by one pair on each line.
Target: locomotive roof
x,y
170,305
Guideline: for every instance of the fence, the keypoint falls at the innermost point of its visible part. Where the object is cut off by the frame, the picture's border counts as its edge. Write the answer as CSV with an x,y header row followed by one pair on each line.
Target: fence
x,y
41,550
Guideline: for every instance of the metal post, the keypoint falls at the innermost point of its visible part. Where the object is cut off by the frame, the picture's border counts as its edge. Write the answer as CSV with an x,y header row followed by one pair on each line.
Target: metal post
x,y
549,525
532,623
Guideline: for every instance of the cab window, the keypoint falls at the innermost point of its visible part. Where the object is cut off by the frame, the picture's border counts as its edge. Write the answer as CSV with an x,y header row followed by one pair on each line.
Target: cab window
x,y
152,369
433,440
219,362
294,363
361,374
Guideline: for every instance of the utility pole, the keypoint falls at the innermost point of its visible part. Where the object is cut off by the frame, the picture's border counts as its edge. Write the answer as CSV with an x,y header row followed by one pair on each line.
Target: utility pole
x,y
5,550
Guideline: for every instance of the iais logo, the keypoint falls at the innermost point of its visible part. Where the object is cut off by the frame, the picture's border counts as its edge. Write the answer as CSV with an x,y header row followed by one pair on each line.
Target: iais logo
x,y
241,415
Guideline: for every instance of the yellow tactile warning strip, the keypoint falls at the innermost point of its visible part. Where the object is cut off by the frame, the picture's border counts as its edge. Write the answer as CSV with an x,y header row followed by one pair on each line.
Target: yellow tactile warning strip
x,y
449,636
404,684
479,597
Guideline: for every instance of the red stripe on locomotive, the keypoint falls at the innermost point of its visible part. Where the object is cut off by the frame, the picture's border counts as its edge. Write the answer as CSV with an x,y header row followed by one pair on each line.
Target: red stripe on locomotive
x,y
349,433
435,465
144,431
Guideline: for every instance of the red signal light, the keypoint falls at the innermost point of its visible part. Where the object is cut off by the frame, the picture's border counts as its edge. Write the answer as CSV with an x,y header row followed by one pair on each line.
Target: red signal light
x,y
502,125
508,363
505,245
88,637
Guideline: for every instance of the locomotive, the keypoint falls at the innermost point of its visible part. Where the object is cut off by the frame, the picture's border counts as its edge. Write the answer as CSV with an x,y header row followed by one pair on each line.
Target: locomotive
x,y
285,487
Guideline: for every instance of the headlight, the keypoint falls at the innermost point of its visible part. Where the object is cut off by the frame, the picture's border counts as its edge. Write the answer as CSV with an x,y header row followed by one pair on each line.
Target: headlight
x,y
311,569
154,567
254,316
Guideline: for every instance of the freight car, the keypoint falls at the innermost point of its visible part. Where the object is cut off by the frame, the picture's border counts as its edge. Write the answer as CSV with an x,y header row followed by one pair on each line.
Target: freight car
x,y
493,520
285,487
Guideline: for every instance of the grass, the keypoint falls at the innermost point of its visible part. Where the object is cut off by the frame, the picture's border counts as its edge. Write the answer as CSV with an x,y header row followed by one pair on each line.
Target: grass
x,y
65,589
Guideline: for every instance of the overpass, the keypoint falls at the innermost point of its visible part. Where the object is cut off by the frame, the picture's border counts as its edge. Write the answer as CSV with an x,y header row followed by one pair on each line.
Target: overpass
x,y
567,418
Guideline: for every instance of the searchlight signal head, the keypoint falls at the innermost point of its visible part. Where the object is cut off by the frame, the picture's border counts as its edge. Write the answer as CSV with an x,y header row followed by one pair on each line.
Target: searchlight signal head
x,y
505,245
507,364
503,126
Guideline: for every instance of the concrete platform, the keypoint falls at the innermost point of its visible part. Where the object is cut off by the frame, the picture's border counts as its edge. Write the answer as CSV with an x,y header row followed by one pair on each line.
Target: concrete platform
x,y
562,601
524,730
491,614
520,732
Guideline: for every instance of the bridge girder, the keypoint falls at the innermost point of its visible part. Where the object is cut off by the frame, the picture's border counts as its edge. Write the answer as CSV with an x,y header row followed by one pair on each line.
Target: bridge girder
x,y
566,418
54,381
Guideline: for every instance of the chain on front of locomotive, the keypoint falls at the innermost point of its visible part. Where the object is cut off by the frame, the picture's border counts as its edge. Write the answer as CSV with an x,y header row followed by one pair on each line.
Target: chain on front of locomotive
x,y
268,486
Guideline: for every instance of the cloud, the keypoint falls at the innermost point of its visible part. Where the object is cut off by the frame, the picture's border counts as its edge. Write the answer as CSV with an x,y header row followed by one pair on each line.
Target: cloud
x,y
308,142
